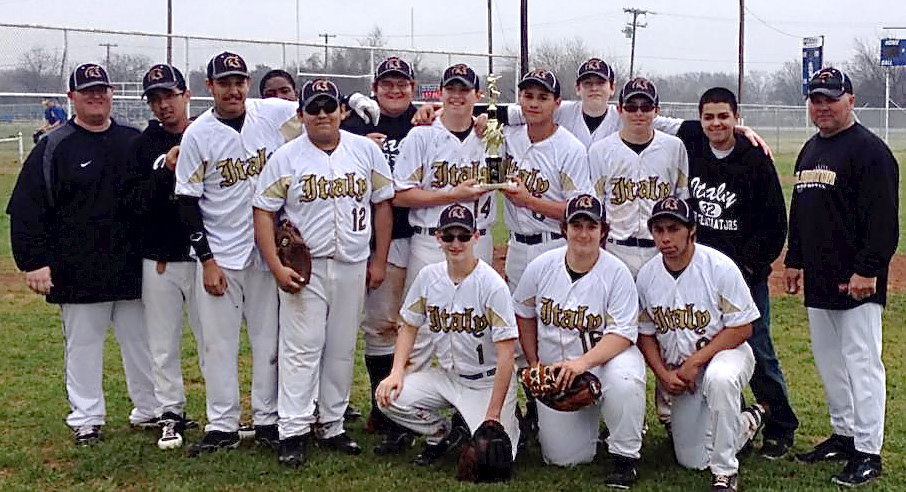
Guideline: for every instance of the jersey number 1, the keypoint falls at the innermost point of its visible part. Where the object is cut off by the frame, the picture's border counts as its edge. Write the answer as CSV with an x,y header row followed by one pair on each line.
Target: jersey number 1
x,y
358,219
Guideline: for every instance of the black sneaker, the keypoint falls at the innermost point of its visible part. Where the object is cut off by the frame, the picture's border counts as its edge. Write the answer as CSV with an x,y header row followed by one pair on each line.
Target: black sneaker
x,y
860,469
624,472
433,452
172,430
834,448
343,443
724,483
293,451
246,431
351,413
267,436
152,423
87,435
394,443
215,440
773,448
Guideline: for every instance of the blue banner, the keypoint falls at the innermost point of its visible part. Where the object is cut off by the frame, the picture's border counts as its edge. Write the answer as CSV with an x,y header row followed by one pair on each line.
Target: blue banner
x,y
812,59
893,52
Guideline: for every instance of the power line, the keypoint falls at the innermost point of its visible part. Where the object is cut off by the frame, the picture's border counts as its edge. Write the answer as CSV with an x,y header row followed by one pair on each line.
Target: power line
x,y
630,30
770,26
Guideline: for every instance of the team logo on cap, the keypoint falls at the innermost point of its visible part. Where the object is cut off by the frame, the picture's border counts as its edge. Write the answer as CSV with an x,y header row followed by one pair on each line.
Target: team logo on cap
x,y
539,73
321,85
155,74
585,201
459,69
457,213
593,64
394,63
640,84
93,71
232,61
670,203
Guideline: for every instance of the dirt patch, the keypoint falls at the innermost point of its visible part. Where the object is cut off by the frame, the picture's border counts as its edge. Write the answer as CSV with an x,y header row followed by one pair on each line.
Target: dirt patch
x,y
896,281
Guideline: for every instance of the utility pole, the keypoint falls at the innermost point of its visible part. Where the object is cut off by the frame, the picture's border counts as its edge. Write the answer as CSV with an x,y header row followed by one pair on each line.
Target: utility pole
x,y
108,46
326,36
742,43
169,32
630,30
490,41
523,36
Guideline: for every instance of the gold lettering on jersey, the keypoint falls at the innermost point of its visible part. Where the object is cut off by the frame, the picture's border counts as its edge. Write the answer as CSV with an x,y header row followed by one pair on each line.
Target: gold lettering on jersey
x,y
578,319
686,318
449,174
816,176
318,187
624,190
439,320
235,170
534,181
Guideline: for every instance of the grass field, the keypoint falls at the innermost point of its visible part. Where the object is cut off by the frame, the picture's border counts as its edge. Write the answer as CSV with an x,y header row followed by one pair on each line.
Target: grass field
x,y
36,452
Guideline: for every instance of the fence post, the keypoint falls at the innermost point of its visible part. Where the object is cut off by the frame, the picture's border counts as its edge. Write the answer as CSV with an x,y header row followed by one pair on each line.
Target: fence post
x,y
21,150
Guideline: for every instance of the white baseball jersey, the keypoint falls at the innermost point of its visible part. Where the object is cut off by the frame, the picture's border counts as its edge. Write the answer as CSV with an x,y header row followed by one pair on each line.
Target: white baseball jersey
x,y
220,166
569,115
629,184
555,169
464,320
432,158
573,316
686,313
328,196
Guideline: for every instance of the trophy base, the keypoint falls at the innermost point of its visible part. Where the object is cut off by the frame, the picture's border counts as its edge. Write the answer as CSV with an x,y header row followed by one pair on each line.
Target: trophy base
x,y
508,186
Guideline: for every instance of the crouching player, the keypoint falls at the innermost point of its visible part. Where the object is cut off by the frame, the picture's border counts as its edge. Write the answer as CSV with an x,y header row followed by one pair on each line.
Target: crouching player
x,y
577,309
697,313
467,308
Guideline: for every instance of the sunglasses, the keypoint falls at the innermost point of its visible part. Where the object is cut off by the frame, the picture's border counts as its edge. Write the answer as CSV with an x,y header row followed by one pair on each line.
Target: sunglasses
x,y
632,108
328,105
448,237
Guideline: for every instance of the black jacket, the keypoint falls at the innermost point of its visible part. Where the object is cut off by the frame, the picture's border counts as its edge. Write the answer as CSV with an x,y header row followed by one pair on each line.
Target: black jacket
x,y
737,202
67,211
843,217
164,237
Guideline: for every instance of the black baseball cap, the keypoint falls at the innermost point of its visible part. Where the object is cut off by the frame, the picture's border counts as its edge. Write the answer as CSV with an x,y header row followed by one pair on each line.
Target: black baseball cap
x,y
595,66
460,73
226,64
639,86
542,77
456,216
586,205
394,66
88,75
314,89
672,207
831,82
163,76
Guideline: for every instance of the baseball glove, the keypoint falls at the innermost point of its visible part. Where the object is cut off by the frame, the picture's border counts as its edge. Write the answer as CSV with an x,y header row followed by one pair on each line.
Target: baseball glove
x,y
292,250
488,456
541,382
37,135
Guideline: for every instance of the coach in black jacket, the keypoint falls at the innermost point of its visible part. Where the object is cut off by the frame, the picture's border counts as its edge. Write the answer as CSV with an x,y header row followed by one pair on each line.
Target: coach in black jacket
x,y
73,234
739,209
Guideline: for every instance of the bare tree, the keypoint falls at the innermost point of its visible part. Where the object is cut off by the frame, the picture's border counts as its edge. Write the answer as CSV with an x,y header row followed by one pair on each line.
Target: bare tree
x,y
38,70
124,67
562,58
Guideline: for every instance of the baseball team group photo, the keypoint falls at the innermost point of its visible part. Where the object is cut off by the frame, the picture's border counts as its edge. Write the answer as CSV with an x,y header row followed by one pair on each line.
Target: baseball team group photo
x,y
547,279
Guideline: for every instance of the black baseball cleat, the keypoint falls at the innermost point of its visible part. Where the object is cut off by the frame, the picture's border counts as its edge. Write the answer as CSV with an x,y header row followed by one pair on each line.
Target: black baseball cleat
x,y
624,473
293,451
87,435
172,430
267,436
351,413
343,443
834,448
859,470
433,452
152,423
724,483
213,441
246,431
774,448
394,443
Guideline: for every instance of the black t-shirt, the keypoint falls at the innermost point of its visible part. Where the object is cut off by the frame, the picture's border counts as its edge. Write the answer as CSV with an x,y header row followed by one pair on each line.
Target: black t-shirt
x,y
234,123
638,148
463,135
573,275
843,217
593,122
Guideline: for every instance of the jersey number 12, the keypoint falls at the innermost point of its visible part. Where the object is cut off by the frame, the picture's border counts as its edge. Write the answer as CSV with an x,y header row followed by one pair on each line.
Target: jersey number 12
x,y
358,219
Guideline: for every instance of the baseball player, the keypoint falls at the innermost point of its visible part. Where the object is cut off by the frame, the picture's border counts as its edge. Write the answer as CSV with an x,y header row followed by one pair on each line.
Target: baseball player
x,y
325,184
577,308
278,83
80,247
696,314
843,233
168,272
549,165
221,156
466,307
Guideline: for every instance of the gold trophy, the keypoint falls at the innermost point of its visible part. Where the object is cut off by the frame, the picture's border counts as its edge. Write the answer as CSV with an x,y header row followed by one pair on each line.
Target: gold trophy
x,y
493,138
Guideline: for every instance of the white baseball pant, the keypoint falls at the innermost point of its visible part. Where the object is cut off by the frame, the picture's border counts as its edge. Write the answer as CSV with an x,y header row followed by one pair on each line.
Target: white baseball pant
x,y
163,296
426,392
708,426
570,438
382,305
846,345
519,255
634,257
317,348
84,330
251,293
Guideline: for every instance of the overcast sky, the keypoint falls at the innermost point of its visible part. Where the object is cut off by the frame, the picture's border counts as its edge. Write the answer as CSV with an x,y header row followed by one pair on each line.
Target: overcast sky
x,y
690,35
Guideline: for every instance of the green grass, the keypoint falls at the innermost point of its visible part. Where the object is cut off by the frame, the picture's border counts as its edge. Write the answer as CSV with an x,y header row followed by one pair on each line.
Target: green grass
x,y
36,452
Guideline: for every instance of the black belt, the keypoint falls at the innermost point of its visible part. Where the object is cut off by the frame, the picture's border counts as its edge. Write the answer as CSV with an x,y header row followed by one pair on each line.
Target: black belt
x,y
479,375
431,230
531,239
633,241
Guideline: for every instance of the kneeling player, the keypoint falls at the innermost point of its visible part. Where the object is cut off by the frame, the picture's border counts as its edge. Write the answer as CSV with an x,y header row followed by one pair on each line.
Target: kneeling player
x,y
466,306
577,309
697,315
